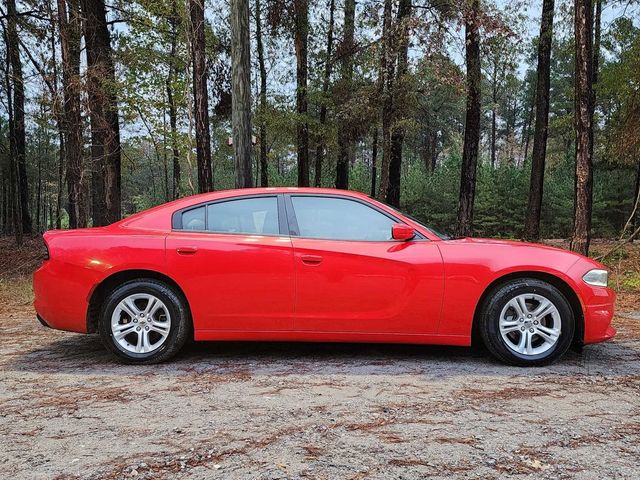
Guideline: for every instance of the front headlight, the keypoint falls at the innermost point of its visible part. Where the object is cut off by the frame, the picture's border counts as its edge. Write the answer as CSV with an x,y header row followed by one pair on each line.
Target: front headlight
x,y
596,277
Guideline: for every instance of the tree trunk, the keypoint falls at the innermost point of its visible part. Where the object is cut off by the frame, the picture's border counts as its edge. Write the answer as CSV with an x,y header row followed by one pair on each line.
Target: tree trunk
x,y
374,160
173,21
636,192
103,108
45,211
395,166
174,141
200,97
387,67
596,42
345,135
39,194
430,154
60,124
14,202
472,122
397,137
264,165
595,65
4,201
494,101
61,161
301,10
19,131
328,64
70,35
534,208
4,173
581,236
527,131
241,92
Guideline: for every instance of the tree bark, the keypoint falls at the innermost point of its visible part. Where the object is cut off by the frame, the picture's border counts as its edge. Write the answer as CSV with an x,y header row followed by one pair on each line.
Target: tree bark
x,y
397,137
70,35
430,153
4,201
200,97
636,192
527,131
595,65
345,135
472,121
264,165
60,121
174,19
328,64
596,42
374,160
103,108
494,101
39,194
19,131
14,202
241,92
387,67
534,208
301,36
581,235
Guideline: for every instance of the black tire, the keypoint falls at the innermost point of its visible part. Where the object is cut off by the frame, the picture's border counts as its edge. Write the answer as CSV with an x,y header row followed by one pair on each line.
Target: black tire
x,y
179,332
489,322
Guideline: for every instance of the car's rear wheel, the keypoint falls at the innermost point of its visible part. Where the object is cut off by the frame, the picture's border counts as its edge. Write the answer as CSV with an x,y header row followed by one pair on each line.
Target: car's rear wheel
x,y
144,321
527,322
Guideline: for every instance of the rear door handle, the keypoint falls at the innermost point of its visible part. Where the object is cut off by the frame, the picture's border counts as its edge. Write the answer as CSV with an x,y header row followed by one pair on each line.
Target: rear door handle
x,y
186,250
311,259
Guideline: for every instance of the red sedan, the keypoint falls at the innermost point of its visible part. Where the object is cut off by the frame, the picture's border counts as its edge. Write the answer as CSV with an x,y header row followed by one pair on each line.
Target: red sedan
x,y
301,264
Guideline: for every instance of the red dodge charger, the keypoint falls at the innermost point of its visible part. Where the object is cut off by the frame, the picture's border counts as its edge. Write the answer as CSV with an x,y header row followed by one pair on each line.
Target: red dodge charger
x,y
304,264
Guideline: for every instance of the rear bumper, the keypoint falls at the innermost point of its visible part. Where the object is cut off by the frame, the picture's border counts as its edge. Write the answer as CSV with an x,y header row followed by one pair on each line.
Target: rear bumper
x,y
61,296
42,321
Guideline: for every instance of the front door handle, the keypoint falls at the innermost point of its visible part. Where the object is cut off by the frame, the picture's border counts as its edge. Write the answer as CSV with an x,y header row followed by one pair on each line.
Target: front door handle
x,y
311,259
186,250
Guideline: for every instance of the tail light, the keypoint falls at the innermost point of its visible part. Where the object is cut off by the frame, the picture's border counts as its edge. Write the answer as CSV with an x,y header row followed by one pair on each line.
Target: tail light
x,y
46,251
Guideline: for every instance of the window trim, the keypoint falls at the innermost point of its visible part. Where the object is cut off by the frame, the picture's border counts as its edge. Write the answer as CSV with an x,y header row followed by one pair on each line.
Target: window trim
x,y
283,227
294,229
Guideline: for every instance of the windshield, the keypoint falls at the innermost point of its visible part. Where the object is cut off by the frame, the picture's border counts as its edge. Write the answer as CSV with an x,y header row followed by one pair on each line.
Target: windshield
x,y
415,220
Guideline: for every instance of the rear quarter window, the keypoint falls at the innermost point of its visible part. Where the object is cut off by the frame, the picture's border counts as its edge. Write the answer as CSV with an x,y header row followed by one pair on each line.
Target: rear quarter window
x,y
194,219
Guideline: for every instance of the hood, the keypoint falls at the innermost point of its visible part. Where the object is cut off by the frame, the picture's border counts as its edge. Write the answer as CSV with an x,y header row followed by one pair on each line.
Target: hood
x,y
510,243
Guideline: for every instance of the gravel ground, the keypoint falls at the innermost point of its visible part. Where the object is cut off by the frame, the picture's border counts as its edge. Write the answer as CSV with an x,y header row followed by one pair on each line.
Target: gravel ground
x,y
263,411
241,410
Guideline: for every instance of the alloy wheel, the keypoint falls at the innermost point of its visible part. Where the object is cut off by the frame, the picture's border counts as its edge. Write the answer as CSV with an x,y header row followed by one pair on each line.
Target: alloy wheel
x,y
140,323
530,324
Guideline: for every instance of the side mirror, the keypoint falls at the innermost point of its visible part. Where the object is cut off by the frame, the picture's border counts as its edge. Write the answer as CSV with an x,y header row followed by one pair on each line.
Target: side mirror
x,y
400,231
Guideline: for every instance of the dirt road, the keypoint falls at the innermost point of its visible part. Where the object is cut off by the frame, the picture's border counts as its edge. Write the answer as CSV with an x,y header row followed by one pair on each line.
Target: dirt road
x,y
313,411
263,411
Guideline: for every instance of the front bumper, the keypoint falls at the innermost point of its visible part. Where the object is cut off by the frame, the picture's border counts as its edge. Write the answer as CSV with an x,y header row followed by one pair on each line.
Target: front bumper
x,y
597,320
597,303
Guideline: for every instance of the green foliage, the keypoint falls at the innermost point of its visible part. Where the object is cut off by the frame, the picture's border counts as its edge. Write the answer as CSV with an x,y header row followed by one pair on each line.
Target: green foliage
x,y
501,198
429,100
631,282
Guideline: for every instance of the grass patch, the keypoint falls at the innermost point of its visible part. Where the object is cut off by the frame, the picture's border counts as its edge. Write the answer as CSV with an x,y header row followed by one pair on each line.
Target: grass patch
x,y
631,281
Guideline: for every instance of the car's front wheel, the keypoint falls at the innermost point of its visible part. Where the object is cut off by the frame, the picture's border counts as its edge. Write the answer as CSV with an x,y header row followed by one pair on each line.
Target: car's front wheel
x,y
144,321
527,322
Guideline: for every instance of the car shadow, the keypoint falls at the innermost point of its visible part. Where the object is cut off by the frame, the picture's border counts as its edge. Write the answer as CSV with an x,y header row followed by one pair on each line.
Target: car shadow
x,y
85,355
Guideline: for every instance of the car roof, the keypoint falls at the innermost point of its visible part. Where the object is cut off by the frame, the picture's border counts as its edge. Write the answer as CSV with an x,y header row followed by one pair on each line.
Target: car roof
x,y
310,190
159,217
